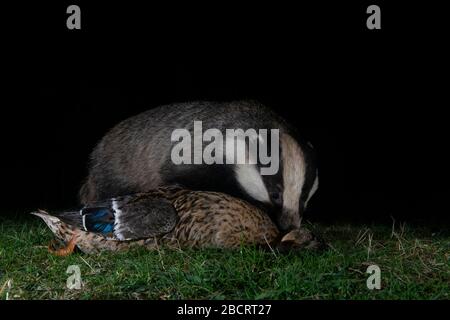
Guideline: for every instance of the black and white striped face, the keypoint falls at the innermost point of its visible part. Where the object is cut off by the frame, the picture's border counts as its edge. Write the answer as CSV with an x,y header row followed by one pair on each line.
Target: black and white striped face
x,y
287,192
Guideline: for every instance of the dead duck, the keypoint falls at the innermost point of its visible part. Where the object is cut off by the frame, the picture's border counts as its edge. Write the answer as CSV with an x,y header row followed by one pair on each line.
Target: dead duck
x,y
170,216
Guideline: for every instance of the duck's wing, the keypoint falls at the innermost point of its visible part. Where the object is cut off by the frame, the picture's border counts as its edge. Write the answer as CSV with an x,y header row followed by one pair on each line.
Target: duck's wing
x,y
143,216
130,217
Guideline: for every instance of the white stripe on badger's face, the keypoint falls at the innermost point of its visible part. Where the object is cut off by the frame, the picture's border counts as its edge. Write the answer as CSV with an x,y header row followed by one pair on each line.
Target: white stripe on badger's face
x,y
248,174
313,189
251,181
294,170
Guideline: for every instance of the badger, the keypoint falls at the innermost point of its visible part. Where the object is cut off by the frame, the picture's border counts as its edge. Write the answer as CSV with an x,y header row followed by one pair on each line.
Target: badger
x,y
137,156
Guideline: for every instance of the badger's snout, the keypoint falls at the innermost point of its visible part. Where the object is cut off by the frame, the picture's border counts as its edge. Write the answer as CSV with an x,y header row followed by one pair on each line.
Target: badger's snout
x,y
288,220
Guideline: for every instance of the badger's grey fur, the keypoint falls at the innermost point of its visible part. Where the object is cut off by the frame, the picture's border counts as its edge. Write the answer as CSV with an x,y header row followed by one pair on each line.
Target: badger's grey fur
x,y
135,157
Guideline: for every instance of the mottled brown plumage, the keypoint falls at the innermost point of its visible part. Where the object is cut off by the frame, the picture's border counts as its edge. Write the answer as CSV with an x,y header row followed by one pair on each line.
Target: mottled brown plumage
x,y
203,219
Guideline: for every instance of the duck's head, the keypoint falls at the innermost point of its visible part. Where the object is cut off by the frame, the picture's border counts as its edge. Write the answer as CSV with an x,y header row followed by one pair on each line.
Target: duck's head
x,y
301,238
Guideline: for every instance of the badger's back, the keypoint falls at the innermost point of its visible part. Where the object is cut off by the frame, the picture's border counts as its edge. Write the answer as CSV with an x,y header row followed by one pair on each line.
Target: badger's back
x,y
134,156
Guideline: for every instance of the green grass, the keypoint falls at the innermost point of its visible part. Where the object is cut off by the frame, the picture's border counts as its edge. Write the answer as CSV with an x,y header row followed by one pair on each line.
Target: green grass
x,y
414,265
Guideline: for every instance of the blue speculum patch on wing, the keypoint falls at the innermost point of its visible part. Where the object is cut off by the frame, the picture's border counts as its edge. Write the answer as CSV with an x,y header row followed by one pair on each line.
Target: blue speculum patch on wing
x,y
99,219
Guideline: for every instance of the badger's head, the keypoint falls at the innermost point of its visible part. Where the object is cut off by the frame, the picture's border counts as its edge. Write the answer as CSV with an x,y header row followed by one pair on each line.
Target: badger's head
x,y
287,192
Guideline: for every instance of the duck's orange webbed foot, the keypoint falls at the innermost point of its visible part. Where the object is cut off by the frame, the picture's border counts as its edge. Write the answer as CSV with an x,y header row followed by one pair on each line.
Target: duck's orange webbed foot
x,y
65,251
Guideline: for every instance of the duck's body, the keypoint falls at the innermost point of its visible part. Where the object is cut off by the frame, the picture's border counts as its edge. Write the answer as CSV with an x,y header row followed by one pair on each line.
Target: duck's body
x,y
166,216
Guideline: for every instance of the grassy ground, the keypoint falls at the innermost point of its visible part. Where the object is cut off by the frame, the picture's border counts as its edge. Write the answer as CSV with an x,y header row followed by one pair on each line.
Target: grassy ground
x,y
414,264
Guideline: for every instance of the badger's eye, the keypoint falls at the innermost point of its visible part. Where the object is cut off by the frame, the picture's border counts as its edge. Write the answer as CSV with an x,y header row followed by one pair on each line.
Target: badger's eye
x,y
276,198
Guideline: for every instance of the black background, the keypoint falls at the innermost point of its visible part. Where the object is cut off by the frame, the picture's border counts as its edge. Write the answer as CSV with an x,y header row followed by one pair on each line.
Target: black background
x,y
373,102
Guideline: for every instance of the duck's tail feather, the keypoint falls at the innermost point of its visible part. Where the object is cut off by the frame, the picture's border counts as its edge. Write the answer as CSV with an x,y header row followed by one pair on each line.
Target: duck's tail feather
x,y
50,220
92,219
44,215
